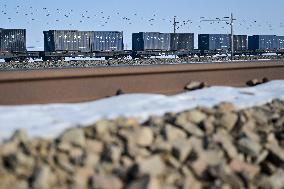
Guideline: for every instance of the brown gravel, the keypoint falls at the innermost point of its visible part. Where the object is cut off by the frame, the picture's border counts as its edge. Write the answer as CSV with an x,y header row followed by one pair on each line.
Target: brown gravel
x,y
201,148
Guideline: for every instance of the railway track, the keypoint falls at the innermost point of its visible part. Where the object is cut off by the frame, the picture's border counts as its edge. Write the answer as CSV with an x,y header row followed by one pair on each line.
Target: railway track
x,y
85,84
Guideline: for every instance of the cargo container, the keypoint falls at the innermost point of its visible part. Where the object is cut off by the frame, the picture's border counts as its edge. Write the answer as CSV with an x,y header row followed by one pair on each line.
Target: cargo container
x,y
145,41
240,42
13,40
213,41
280,42
68,40
182,41
262,42
108,41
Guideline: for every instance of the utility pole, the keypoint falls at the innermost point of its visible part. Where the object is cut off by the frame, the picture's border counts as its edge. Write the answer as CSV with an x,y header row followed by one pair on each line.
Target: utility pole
x,y
229,20
232,37
175,25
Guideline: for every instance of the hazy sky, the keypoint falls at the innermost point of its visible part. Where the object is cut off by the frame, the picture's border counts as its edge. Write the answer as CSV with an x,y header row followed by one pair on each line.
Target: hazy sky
x,y
253,16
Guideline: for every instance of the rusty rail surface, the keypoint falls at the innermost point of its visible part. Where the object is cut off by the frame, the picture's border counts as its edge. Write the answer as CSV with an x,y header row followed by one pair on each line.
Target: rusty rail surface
x,y
85,84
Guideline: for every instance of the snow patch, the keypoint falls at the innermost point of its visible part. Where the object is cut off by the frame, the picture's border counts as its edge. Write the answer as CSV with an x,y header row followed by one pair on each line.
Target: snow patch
x,y
50,120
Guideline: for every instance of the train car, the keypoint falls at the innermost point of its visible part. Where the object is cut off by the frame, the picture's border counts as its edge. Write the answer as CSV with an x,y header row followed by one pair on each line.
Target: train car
x,y
182,41
108,41
151,41
240,42
280,42
212,42
68,40
13,44
13,40
262,42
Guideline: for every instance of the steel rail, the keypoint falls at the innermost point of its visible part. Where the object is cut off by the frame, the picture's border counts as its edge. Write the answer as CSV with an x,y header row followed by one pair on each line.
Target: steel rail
x,y
86,84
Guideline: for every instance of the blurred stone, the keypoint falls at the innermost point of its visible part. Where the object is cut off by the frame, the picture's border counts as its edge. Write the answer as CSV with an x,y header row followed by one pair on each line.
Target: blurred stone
x,y
172,133
101,181
150,166
181,149
249,147
225,107
74,136
242,167
228,120
195,116
193,85
144,136
253,82
112,153
43,178
20,135
146,182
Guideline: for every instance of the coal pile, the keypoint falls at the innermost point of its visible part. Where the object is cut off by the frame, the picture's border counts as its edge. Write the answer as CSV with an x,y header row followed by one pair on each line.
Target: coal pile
x,y
216,147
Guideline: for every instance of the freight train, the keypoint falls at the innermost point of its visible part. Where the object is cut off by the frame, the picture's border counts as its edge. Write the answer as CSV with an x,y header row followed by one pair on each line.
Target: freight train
x,y
59,44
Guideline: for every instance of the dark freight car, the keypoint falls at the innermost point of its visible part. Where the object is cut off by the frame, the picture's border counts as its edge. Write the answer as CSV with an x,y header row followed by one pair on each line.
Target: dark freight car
x,y
108,41
13,40
182,41
240,42
213,41
68,40
280,42
147,41
262,42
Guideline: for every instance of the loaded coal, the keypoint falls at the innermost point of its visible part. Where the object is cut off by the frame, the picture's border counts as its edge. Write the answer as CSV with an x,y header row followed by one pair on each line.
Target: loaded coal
x,y
219,147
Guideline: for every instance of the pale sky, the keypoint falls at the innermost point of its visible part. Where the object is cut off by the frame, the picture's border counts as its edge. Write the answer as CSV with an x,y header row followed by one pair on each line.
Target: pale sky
x,y
129,16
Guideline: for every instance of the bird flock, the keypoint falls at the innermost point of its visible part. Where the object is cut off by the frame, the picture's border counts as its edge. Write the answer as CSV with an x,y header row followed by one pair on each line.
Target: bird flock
x,y
49,16
43,18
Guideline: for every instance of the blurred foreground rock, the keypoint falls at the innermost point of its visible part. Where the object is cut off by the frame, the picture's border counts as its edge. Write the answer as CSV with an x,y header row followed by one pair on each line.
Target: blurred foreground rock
x,y
216,147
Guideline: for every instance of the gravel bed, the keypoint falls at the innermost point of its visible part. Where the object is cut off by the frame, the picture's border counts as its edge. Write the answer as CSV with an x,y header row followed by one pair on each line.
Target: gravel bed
x,y
83,63
117,62
216,147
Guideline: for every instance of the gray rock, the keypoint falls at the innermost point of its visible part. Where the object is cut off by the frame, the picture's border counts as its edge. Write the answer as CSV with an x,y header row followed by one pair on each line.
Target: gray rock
x,y
249,170
228,120
189,127
112,153
143,137
146,182
275,149
193,85
25,165
277,180
208,125
223,138
181,149
94,146
196,116
151,166
253,82
20,136
225,107
101,181
102,127
9,181
205,160
161,146
77,156
43,178
249,147
82,177
172,133
62,160
92,160
74,136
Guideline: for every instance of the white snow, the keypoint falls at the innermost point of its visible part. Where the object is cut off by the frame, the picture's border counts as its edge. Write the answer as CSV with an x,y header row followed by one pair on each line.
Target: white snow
x,y
50,120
